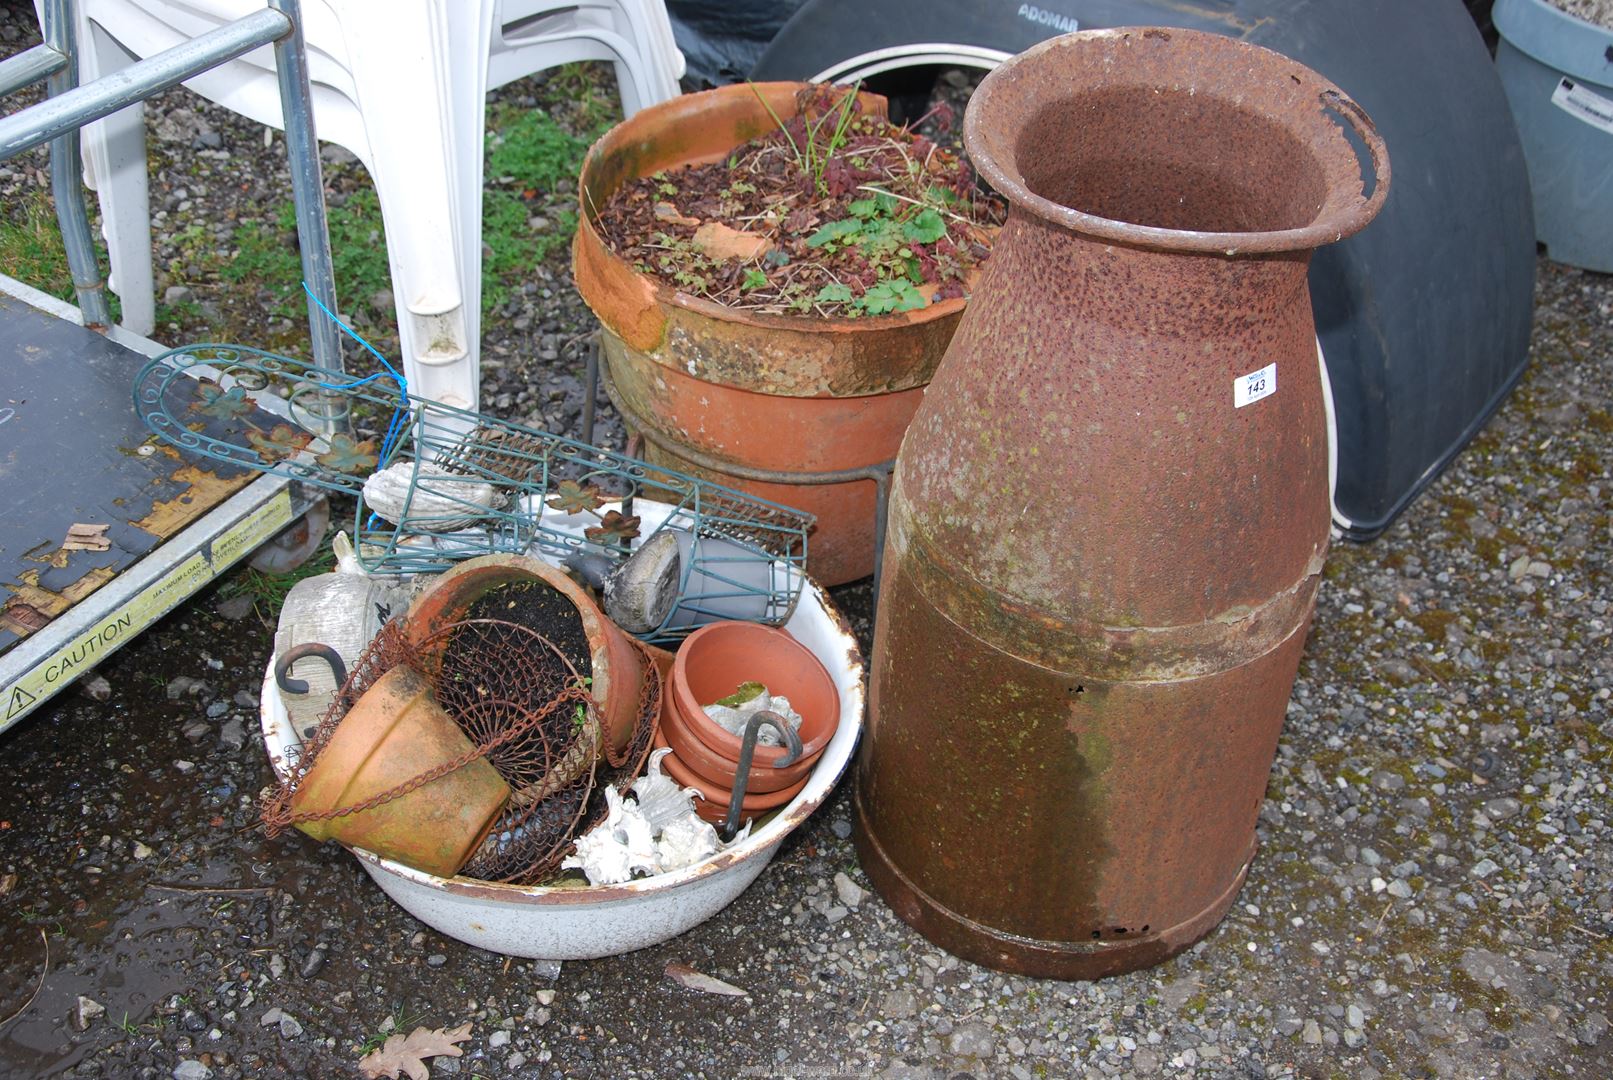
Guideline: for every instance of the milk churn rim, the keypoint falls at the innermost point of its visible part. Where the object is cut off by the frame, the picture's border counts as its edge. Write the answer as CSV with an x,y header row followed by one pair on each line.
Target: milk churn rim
x,y
1346,209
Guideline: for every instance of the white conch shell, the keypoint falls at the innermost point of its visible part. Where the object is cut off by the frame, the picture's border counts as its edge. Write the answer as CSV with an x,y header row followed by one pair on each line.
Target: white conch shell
x,y
660,799
601,857
686,841
623,843
656,834
441,501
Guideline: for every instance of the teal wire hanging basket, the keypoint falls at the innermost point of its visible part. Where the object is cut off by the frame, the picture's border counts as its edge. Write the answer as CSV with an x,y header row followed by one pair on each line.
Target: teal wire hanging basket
x,y
445,484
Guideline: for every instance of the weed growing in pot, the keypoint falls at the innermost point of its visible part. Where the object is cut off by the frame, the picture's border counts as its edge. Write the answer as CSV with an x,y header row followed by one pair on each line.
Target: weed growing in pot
x,y
835,212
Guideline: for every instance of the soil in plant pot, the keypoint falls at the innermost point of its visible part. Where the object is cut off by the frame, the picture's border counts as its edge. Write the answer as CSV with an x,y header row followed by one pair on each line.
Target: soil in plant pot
x,y
541,608
529,842
834,213
488,666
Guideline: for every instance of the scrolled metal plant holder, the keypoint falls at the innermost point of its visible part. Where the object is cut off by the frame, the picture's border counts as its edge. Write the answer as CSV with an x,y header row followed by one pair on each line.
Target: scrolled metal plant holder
x,y
476,484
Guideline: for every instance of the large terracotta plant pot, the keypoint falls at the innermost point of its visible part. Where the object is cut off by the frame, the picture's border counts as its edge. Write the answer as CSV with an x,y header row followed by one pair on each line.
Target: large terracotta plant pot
x,y
720,393
1109,518
618,663
392,734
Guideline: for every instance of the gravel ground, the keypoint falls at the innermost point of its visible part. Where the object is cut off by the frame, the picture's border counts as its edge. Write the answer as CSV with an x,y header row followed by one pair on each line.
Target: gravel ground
x,y
1599,12
1434,894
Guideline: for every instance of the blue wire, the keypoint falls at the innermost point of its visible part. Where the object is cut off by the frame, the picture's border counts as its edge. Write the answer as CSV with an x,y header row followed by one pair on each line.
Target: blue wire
x,y
355,336
400,414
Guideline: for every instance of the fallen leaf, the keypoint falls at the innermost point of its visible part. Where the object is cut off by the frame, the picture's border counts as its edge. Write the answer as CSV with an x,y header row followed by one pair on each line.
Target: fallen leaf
x,y
800,219
217,402
406,1054
571,497
348,456
283,442
81,537
665,211
613,527
718,241
8,882
687,977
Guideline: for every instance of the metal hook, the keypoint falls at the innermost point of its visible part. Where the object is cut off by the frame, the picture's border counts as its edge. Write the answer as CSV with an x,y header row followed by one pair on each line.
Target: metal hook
x,y
747,750
282,666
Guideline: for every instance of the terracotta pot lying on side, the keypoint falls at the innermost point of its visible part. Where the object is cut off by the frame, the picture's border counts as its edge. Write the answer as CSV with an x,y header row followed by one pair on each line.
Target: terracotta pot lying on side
x,y
393,733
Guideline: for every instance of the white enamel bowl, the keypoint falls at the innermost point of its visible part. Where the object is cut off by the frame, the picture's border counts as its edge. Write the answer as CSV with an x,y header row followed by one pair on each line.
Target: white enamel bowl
x,y
583,923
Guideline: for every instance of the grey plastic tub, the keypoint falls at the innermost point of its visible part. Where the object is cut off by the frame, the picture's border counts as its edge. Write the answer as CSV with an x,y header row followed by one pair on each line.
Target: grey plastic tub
x,y
1557,71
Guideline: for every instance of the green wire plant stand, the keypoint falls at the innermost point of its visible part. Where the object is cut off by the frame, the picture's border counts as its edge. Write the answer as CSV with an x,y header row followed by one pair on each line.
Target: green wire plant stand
x,y
444,484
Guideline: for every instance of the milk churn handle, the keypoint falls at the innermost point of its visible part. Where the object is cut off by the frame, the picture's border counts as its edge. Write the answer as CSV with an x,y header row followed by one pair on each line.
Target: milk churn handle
x,y
282,666
747,750
1358,119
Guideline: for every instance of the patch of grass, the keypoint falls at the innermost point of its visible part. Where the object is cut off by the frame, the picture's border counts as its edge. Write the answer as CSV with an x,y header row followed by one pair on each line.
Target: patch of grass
x,y
192,245
358,254
510,249
539,153
591,92
542,160
1495,1004
1433,623
402,1022
31,249
358,245
184,313
268,591
541,156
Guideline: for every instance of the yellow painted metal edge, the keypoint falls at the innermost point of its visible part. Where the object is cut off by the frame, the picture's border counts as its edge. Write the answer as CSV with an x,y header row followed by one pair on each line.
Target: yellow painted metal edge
x,y
167,592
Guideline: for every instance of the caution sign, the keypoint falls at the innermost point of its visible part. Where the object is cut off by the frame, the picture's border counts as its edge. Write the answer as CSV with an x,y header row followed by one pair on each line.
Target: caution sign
x,y
160,597
20,701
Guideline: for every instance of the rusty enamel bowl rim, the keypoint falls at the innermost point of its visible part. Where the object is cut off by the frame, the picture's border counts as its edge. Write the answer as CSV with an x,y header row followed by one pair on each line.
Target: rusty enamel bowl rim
x,y
831,641
1333,222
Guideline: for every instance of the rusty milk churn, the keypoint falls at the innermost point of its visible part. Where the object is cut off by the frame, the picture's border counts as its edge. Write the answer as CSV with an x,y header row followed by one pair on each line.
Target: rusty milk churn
x,y
1110,514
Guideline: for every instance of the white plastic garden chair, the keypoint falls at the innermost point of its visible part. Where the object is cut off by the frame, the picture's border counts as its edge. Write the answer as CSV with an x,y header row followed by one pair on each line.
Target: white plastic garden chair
x,y
400,83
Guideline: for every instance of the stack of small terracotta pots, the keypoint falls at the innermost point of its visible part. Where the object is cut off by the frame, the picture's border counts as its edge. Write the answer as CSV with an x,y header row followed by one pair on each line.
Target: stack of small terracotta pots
x,y
712,664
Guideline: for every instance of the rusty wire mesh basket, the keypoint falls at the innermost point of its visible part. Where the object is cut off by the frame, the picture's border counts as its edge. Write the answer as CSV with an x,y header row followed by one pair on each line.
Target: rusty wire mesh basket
x,y
544,816
524,709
